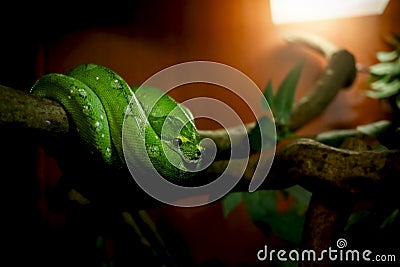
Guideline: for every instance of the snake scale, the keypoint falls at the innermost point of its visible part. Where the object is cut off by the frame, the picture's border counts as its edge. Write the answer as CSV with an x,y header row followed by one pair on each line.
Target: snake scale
x,y
99,101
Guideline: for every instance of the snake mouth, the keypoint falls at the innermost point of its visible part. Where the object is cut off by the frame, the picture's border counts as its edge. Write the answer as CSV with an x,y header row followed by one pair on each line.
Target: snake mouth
x,y
192,165
191,162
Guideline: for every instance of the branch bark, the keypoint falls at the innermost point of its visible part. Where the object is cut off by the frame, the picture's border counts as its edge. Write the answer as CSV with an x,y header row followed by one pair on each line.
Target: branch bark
x,y
22,111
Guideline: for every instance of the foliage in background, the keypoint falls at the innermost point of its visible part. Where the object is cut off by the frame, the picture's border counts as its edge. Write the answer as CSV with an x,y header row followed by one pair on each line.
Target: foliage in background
x,y
382,221
275,211
280,104
385,75
282,212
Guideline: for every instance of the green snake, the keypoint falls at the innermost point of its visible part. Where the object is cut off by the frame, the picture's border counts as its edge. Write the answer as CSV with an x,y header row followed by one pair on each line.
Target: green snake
x,y
99,101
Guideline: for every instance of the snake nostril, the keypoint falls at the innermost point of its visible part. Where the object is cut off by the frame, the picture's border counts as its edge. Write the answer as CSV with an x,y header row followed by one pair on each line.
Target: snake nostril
x,y
193,157
198,153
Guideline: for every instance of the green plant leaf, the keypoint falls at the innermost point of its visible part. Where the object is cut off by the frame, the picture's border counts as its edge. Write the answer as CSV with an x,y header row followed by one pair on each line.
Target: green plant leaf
x,y
398,101
383,56
263,134
260,203
357,217
301,194
269,96
390,219
288,224
385,68
397,39
283,101
375,129
380,84
385,90
230,202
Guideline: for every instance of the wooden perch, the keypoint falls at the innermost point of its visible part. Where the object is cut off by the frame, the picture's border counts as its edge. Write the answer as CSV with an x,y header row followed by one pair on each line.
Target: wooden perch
x,y
339,73
22,111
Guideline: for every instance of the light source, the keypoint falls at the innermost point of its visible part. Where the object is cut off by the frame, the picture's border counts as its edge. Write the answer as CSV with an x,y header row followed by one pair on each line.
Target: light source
x,y
292,11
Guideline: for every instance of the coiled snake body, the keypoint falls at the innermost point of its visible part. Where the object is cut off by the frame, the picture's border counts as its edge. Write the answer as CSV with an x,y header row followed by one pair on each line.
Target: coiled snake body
x,y
99,102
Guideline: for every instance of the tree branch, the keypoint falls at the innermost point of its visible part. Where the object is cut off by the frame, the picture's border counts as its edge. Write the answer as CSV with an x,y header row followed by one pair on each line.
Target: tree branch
x,y
22,111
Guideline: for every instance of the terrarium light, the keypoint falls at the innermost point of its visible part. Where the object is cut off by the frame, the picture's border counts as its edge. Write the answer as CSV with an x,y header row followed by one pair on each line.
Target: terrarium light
x,y
292,11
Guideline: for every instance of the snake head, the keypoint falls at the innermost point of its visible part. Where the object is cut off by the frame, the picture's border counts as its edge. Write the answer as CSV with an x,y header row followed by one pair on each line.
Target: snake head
x,y
188,147
181,137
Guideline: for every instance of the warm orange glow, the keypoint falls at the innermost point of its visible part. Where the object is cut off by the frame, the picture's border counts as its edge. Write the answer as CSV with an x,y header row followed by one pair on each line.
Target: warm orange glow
x,y
292,11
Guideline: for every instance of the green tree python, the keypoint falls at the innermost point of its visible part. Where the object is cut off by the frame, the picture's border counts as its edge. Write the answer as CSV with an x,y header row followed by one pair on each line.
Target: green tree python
x,y
99,101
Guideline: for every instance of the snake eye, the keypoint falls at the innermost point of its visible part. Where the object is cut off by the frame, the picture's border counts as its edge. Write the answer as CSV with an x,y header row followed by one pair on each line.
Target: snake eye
x,y
177,142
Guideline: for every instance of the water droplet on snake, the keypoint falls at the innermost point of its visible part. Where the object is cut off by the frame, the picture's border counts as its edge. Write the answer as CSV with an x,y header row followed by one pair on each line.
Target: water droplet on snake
x,y
82,92
98,125
115,84
85,109
108,151
154,151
